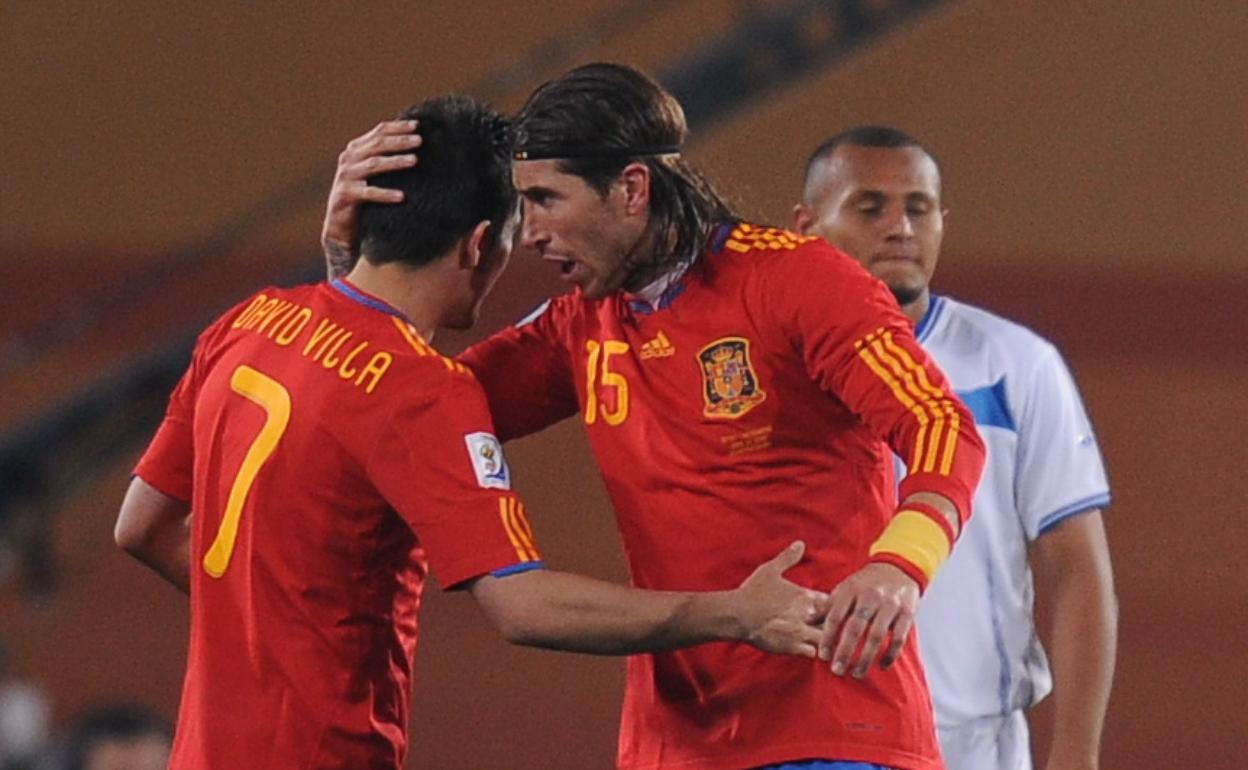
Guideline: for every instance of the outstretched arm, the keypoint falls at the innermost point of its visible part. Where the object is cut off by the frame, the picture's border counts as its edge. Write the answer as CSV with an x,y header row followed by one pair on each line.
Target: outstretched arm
x,y
155,529
388,146
562,611
1075,581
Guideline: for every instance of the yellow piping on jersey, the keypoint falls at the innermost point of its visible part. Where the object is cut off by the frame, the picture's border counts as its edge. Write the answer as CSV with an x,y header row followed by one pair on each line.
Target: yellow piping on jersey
x,y
421,347
511,512
911,386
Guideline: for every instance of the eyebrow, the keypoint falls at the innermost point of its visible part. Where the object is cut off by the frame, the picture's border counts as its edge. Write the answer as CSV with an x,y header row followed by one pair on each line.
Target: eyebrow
x,y
535,190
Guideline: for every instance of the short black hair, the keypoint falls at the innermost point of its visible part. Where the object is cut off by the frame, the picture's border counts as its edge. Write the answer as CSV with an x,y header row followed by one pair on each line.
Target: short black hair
x,y
865,136
462,177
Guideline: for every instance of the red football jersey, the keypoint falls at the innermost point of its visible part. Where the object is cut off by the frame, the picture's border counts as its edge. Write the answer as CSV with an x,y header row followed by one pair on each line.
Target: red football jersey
x,y
755,403
326,451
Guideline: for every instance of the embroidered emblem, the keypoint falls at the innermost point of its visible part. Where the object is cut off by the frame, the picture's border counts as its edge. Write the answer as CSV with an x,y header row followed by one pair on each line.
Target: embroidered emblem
x,y
729,385
659,347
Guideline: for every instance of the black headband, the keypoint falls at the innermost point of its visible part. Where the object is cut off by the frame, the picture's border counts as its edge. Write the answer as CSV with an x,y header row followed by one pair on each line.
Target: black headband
x,y
595,152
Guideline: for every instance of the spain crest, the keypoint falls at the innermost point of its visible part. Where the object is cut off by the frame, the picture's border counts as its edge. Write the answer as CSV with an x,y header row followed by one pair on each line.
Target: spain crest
x,y
729,384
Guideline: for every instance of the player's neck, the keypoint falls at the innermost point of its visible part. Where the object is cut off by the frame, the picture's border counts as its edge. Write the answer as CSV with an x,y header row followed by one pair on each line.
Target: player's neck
x,y
917,309
414,293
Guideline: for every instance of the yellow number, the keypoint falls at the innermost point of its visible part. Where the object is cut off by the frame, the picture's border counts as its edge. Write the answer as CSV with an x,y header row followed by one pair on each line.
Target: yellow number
x,y
610,379
268,394
591,382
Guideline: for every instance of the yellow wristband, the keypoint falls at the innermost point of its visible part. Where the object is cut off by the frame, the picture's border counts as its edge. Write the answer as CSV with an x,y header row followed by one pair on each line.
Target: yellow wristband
x,y
915,538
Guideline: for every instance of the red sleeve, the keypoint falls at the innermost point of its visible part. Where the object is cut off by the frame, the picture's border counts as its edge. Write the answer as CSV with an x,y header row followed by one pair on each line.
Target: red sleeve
x,y
438,464
168,463
526,373
859,346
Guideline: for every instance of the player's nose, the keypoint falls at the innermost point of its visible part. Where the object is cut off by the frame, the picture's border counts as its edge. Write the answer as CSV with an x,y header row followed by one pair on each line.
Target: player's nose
x,y
898,225
533,235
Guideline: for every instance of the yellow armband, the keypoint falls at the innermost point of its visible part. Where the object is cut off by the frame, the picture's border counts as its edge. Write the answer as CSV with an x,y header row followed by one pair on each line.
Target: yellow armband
x,y
917,541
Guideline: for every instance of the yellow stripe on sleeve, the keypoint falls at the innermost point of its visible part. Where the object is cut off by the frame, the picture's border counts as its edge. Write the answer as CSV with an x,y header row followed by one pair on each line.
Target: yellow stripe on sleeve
x,y
504,513
945,404
938,418
522,528
899,393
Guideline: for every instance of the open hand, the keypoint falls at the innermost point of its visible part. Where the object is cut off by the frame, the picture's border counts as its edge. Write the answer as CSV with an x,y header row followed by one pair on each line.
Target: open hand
x,y
389,146
779,615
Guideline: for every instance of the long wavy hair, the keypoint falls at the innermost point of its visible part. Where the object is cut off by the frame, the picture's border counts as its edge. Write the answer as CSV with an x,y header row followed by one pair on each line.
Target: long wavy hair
x,y
599,118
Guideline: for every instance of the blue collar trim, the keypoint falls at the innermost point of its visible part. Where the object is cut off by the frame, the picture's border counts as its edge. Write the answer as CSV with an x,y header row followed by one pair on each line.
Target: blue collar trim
x,y
355,295
928,321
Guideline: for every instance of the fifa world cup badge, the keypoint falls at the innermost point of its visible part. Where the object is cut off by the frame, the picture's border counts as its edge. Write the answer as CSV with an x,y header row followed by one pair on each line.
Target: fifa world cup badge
x,y
729,384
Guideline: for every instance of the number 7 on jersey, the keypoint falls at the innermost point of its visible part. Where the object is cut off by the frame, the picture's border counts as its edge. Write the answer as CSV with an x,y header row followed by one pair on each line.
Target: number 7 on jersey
x,y
268,394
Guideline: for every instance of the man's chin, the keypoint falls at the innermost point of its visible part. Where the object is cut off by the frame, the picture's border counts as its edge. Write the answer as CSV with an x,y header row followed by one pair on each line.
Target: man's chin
x,y
906,294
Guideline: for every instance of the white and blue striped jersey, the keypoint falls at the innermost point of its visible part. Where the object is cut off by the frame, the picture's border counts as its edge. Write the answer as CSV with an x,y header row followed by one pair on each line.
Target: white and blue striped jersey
x,y
976,632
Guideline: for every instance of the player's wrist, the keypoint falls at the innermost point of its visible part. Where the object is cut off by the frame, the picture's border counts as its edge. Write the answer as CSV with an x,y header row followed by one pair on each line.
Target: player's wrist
x,y
916,541
714,616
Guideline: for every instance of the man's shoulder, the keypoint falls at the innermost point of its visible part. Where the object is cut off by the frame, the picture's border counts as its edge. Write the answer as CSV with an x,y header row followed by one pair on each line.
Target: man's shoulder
x,y
748,251
750,238
985,330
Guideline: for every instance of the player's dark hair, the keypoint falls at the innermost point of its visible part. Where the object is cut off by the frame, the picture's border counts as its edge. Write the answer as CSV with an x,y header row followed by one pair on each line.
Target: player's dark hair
x,y
463,176
865,136
600,117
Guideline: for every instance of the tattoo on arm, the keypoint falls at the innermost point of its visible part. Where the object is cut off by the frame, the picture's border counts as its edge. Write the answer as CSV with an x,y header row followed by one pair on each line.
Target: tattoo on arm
x,y
339,260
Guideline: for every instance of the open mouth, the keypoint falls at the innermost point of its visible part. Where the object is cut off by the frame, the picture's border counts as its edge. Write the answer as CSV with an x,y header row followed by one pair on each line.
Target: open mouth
x,y
566,266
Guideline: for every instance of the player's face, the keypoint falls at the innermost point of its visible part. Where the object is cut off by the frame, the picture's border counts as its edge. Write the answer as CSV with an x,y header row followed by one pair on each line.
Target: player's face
x,y
880,205
589,236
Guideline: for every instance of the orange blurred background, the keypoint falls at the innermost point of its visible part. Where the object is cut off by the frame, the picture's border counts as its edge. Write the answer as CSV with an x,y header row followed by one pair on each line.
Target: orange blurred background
x,y
1095,166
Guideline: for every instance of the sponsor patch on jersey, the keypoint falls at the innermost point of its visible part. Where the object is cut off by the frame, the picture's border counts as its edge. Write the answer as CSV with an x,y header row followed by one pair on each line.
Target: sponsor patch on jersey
x,y
488,461
730,385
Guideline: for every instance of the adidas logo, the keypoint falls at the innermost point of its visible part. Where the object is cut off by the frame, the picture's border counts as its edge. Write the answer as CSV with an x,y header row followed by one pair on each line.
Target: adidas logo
x,y
659,347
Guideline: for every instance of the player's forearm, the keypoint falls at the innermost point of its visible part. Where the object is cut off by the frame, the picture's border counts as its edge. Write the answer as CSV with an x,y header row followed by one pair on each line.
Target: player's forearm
x,y
1083,645
568,612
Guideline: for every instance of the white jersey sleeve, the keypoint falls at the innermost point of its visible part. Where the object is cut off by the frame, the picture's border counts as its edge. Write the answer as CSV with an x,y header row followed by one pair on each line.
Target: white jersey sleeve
x,y
1060,470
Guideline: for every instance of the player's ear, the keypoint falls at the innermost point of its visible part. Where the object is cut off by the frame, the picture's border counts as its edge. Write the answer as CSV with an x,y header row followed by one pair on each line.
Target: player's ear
x,y
635,181
472,247
803,220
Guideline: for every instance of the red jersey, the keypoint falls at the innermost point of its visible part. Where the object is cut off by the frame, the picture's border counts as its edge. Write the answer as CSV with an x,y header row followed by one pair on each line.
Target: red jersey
x,y
755,403
329,456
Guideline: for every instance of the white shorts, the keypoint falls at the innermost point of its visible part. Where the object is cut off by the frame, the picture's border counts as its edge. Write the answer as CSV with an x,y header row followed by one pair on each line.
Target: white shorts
x,y
991,743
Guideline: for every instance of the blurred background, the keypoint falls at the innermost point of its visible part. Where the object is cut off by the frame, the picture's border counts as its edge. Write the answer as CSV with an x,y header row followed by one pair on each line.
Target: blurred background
x,y
163,159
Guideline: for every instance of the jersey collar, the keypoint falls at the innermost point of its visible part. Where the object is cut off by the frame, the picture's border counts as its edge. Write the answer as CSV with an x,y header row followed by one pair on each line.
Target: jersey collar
x,y
355,294
925,325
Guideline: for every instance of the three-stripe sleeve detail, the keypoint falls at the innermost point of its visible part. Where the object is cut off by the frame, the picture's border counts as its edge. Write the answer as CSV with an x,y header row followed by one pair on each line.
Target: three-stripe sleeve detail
x,y
516,525
939,422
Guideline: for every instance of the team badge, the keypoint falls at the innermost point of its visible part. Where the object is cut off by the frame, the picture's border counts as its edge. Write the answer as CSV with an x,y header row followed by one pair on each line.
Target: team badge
x,y
488,461
730,386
